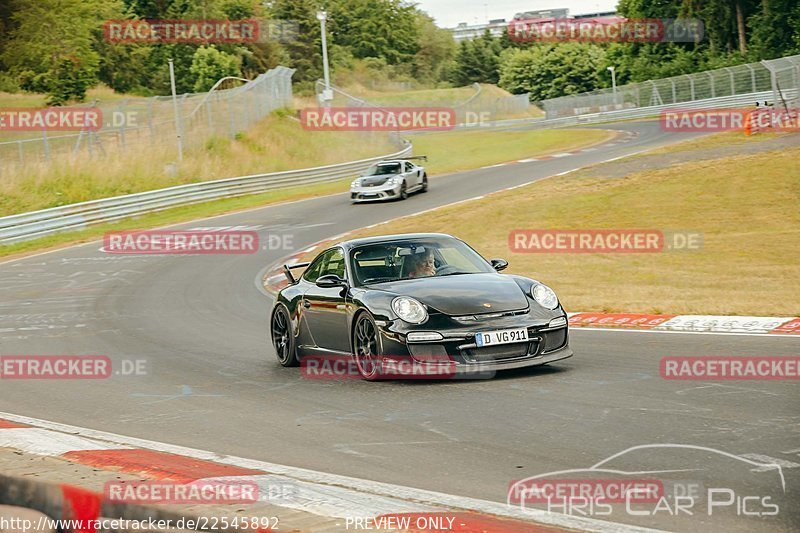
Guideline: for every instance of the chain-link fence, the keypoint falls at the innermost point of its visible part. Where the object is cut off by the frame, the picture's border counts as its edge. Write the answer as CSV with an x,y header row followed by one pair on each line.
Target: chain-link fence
x,y
774,79
137,124
785,79
482,106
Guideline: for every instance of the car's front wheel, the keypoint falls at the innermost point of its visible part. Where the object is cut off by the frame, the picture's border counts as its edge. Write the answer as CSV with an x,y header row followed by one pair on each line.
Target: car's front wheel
x,y
366,348
283,336
403,191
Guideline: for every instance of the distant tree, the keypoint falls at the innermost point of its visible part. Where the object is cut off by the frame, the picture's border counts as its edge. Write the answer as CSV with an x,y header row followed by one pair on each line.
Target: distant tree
x,y
376,28
209,65
553,70
436,52
50,45
478,60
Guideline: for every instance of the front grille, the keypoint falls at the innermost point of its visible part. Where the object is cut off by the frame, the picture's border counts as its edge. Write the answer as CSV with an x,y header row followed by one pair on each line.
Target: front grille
x,y
499,353
555,339
428,352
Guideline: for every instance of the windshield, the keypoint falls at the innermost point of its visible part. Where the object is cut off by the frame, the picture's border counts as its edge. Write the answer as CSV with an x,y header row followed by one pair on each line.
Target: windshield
x,y
382,169
417,258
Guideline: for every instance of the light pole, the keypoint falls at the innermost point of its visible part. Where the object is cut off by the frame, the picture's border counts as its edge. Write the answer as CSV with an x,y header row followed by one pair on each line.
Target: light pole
x,y
327,94
178,126
612,70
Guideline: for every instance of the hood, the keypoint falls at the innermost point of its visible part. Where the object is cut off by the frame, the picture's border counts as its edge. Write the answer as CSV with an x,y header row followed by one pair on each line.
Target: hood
x,y
373,181
466,294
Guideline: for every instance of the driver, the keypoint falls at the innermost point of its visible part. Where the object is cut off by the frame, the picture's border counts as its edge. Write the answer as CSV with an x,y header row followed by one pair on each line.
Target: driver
x,y
422,265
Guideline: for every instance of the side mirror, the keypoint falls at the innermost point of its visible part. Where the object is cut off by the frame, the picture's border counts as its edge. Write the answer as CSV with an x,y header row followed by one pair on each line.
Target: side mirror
x,y
499,264
330,280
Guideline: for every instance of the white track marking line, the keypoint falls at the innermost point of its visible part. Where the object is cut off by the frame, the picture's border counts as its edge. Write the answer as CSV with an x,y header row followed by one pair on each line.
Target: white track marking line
x,y
45,442
727,333
530,160
563,154
421,496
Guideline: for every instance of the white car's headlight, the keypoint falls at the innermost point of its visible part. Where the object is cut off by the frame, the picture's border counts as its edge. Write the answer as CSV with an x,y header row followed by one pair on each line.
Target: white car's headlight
x,y
356,182
545,296
409,310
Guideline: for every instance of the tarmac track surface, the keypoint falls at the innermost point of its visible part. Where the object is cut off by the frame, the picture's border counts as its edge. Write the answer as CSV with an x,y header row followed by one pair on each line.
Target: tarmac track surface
x,y
213,382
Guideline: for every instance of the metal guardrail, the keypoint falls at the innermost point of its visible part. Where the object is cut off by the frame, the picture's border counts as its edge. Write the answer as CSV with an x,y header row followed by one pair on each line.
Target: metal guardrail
x,y
736,101
26,226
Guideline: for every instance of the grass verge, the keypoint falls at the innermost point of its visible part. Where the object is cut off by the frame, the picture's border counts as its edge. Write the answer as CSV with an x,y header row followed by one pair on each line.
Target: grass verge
x,y
173,216
469,149
745,206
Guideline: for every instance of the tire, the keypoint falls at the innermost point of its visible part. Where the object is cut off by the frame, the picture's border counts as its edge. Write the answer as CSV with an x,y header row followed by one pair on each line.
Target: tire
x,y
283,337
366,347
403,191
424,183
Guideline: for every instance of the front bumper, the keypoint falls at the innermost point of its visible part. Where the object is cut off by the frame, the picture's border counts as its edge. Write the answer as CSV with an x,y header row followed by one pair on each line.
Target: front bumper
x,y
377,193
457,354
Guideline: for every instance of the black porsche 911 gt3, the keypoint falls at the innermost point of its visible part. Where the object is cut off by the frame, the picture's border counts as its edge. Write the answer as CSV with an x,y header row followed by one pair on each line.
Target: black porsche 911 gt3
x,y
425,302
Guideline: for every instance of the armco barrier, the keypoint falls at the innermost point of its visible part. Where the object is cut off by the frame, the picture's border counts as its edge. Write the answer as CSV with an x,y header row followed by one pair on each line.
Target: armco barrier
x,y
26,226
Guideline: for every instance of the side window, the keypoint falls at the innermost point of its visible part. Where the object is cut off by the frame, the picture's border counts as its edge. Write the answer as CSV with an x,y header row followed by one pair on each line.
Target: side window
x,y
334,263
314,270
330,262
409,167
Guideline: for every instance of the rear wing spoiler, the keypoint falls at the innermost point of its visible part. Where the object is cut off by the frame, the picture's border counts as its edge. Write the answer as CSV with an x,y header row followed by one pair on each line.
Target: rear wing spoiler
x,y
287,271
417,157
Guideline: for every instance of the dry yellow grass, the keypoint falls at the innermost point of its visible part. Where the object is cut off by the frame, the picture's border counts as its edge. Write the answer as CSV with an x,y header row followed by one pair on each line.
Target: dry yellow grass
x,y
745,206
275,144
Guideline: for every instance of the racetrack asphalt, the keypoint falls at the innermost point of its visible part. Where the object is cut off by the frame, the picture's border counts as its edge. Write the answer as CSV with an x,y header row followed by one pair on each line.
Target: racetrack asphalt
x,y
213,383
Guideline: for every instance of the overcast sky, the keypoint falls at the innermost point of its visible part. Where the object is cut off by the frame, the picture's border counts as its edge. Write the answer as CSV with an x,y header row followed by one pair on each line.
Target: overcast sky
x,y
448,13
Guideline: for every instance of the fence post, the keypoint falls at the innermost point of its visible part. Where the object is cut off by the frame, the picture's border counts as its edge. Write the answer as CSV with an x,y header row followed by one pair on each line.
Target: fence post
x,y
121,108
711,78
150,119
733,84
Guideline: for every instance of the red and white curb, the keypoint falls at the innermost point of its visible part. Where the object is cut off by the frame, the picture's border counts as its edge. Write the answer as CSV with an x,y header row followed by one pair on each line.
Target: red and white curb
x,y
688,323
319,493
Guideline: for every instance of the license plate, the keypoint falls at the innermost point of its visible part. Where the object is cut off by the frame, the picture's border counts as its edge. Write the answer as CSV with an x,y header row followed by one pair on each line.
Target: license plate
x,y
502,336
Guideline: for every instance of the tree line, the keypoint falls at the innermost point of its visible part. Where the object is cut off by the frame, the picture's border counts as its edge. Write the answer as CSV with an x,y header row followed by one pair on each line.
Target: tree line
x,y
58,47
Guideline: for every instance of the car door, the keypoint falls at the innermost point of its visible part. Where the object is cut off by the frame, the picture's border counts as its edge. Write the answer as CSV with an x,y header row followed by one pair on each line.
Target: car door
x,y
412,178
324,308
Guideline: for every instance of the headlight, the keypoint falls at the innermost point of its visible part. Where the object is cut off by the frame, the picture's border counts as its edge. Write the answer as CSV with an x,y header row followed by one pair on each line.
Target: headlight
x,y
356,182
409,310
545,296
